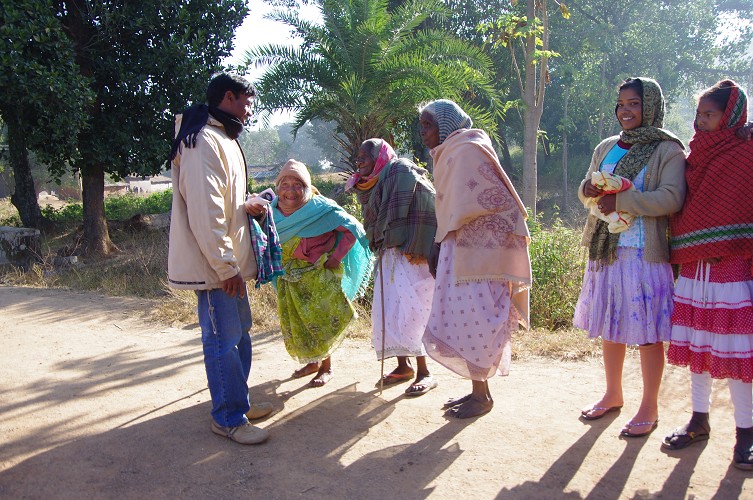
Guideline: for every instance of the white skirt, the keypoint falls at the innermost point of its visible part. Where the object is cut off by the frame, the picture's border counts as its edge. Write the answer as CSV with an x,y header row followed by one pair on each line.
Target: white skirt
x,y
408,289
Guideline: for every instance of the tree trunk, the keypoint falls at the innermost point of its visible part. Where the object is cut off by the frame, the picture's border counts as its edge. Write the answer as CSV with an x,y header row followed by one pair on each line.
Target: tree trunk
x,y
533,96
530,164
505,150
565,201
97,241
25,196
529,129
603,111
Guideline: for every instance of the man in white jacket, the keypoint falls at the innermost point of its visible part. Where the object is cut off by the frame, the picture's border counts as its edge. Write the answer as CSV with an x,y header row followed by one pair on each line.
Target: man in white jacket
x,y
210,247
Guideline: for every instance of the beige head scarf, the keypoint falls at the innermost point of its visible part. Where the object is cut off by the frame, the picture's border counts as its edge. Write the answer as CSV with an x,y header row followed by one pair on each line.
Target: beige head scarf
x,y
294,168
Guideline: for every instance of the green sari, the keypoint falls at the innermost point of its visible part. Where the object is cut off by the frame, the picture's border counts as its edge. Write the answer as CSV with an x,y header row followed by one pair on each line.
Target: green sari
x,y
314,311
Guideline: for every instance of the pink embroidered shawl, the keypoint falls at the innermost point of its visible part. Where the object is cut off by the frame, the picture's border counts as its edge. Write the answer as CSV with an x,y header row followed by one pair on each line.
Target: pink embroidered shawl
x,y
476,199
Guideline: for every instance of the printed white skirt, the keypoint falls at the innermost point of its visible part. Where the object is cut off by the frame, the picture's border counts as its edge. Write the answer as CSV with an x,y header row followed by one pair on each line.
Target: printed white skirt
x,y
471,324
408,289
628,301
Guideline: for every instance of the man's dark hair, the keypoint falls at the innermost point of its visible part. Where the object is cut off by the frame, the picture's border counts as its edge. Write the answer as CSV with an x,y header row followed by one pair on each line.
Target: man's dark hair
x,y
223,82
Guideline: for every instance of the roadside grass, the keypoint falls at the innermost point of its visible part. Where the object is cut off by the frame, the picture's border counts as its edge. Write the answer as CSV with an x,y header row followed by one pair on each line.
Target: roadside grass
x,y
140,270
8,213
569,344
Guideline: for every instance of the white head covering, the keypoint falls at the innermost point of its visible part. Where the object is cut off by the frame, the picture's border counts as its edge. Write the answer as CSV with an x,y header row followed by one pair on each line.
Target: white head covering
x,y
449,116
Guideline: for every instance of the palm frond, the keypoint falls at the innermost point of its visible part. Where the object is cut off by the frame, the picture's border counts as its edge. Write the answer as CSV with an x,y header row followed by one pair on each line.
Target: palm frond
x,y
367,68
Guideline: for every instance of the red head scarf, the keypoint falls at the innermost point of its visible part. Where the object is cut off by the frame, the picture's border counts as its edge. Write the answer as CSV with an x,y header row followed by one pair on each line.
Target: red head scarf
x,y
717,218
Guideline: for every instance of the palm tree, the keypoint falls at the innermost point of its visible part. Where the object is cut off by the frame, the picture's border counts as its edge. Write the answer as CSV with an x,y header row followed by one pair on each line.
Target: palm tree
x,y
367,68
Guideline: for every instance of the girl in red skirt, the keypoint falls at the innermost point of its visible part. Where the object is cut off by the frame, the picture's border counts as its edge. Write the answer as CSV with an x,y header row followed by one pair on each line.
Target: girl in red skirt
x,y
712,238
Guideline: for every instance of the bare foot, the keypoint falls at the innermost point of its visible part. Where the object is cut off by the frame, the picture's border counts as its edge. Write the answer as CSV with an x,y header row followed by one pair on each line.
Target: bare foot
x,y
322,377
306,370
404,371
470,408
456,401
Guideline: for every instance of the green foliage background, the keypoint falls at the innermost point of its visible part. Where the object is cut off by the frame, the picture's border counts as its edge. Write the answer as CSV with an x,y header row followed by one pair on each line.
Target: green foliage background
x,y
116,207
557,259
558,262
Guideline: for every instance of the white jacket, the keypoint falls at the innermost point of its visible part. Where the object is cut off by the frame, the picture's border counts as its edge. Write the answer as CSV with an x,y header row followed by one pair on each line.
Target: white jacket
x,y
209,234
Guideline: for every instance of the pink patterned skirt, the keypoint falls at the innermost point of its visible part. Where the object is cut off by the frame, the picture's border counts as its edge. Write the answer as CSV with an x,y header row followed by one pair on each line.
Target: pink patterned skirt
x,y
712,322
628,301
470,326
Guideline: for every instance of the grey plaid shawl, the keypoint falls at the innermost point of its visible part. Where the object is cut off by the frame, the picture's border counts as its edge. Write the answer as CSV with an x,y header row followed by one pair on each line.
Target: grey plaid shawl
x,y
399,210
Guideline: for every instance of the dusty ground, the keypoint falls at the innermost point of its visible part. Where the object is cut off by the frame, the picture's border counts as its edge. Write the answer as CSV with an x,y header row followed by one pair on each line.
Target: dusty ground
x,y
95,402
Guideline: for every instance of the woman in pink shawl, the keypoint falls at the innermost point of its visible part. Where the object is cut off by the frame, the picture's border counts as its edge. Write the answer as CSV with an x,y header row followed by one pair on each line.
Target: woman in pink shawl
x,y
483,270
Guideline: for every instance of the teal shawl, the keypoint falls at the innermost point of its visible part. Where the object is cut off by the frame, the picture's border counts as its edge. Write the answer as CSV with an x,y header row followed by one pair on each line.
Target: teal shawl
x,y
321,215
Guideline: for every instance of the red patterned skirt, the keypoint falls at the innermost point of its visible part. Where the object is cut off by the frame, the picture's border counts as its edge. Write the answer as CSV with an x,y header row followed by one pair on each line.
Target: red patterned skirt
x,y
712,320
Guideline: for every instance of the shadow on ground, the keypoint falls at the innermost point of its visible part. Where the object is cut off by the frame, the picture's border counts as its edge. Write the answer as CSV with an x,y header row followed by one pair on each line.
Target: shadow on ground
x,y
177,456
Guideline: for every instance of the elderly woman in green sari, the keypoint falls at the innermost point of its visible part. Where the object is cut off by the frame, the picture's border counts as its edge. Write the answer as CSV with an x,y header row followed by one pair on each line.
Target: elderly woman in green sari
x,y
326,258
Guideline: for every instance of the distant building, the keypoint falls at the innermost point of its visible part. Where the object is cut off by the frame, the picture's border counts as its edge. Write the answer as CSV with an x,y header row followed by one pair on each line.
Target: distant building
x,y
116,188
148,185
262,174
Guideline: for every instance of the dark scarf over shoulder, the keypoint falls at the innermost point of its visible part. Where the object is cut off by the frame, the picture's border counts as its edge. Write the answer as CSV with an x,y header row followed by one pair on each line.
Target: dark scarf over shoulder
x,y
643,142
717,217
194,119
399,210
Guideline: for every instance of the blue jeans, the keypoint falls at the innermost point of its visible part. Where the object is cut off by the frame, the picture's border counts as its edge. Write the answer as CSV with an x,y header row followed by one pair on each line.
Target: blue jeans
x,y
225,322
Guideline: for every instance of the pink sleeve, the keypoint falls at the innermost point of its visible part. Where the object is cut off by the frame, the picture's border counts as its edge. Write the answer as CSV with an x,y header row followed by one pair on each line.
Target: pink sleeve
x,y
310,249
346,243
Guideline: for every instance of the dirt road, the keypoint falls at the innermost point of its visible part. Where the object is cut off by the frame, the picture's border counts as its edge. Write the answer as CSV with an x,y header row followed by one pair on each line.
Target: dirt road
x,y
95,402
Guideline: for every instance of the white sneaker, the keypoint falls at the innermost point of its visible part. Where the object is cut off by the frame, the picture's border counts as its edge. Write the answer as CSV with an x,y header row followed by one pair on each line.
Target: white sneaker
x,y
243,434
259,410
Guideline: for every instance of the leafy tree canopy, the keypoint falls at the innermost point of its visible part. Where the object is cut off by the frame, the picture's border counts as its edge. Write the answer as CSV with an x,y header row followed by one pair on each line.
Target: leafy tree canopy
x,y
367,67
147,60
98,82
41,87
683,45
102,81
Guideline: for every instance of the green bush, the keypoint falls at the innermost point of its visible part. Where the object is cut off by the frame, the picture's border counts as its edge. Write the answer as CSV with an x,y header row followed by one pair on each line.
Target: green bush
x,y
70,213
116,207
157,203
126,206
558,262
11,220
